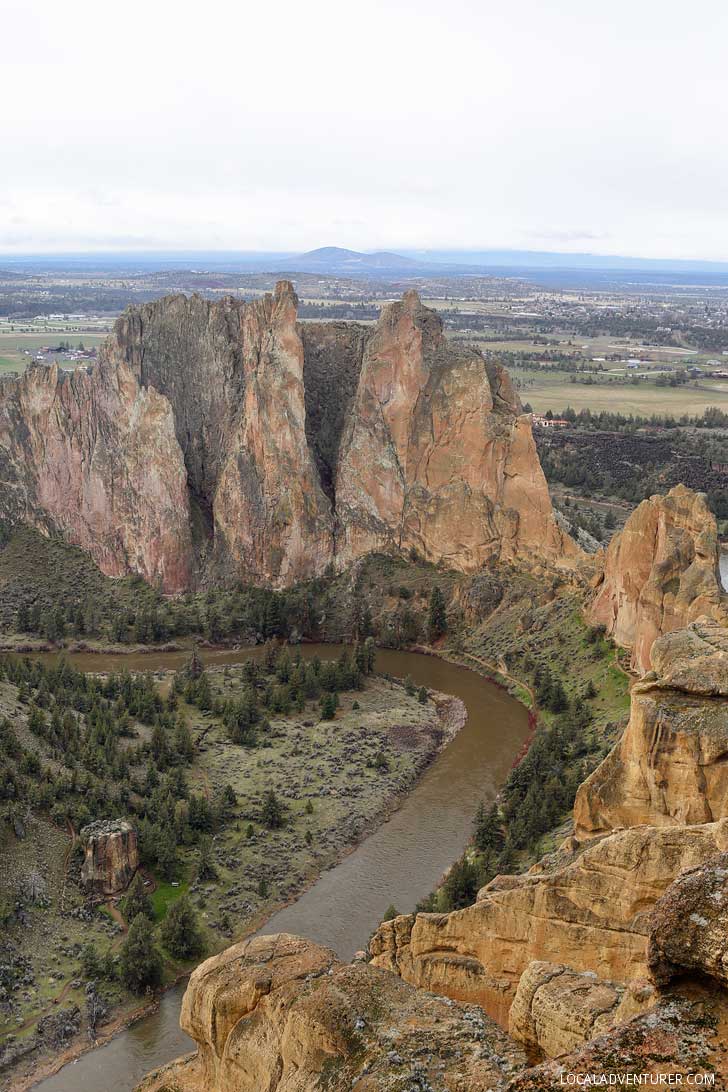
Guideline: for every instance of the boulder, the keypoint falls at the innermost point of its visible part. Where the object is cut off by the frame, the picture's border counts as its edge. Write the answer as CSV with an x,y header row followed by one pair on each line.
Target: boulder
x,y
556,1009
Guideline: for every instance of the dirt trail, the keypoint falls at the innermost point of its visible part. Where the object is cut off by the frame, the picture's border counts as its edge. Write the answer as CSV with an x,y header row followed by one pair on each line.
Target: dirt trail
x,y
501,669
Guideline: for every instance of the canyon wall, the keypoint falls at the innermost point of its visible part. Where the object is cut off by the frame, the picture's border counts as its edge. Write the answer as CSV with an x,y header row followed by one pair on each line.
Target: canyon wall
x,y
225,438
660,573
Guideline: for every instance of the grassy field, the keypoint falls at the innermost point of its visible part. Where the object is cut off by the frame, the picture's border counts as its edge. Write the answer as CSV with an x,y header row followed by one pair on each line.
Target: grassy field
x,y
554,391
17,347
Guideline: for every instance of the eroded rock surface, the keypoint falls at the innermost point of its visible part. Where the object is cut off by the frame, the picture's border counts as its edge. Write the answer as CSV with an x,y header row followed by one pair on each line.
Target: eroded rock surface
x,y
591,914
661,572
681,1038
111,856
689,927
556,1009
671,765
281,1012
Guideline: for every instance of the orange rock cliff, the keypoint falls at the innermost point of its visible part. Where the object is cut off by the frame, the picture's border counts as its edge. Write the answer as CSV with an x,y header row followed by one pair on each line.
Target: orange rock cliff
x,y
227,434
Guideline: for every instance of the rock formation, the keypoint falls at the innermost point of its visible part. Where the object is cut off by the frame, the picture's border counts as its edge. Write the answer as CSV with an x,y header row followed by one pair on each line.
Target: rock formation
x,y
93,455
591,914
438,455
556,1010
689,925
661,572
679,1042
111,856
225,438
280,1012
669,768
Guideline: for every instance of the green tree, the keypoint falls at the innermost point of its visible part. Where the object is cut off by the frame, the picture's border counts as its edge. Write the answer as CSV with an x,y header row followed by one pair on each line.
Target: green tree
x,y
488,830
437,617
140,961
205,868
137,901
273,812
461,884
180,931
328,706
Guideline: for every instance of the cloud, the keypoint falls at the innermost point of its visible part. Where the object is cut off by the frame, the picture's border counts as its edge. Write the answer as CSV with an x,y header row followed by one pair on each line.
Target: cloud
x,y
423,125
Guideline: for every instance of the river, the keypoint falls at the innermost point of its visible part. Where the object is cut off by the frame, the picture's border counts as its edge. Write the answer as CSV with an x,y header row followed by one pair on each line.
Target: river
x,y
398,863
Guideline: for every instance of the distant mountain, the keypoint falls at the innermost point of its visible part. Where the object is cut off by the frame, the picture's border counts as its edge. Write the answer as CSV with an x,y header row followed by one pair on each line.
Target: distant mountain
x,y
337,259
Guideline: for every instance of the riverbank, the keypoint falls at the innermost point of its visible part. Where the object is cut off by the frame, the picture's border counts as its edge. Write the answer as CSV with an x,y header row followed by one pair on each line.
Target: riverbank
x,y
396,725
399,861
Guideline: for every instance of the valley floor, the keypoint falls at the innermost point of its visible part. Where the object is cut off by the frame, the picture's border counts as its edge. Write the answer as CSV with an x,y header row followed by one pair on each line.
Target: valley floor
x,y
337,780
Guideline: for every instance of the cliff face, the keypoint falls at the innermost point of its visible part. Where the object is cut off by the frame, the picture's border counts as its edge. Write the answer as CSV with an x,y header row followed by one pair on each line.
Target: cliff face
x,y
669,768
660,573
280,1012
225,437
94,456
438,455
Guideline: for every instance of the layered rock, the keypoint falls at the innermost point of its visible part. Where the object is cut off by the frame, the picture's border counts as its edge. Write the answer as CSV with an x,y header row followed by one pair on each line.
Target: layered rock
x,y
281,1012
111,856
437,454
556,1009
671,765
223,438
591,914
93,456
661,572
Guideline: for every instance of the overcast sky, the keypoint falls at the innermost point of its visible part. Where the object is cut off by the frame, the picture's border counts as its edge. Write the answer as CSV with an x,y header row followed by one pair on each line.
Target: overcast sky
x,y
561,125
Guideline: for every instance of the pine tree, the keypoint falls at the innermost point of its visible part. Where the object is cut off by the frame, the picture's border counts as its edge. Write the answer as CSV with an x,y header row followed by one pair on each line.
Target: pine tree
x,y
137,901
487,833
272,813
437,618
140,961
180,931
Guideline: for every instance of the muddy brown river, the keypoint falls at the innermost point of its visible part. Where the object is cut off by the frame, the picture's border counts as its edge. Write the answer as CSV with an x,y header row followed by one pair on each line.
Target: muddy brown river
x,y
398,863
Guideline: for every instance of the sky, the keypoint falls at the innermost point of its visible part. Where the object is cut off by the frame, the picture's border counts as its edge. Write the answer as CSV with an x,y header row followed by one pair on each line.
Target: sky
x,y
564,125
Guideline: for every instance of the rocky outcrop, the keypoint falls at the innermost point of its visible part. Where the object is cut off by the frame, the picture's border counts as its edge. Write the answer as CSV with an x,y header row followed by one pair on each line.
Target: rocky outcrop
x,y
93,456
671,765
225,438
661,572
111,856
556,1010
591,914
281,1012
437,454
689,926
680,1042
